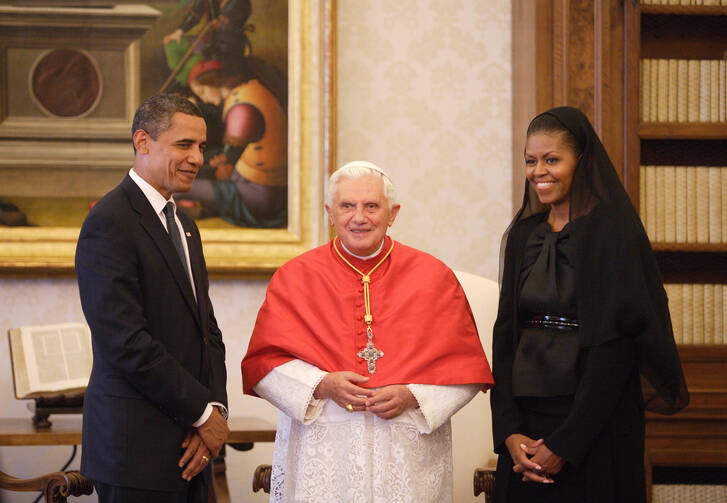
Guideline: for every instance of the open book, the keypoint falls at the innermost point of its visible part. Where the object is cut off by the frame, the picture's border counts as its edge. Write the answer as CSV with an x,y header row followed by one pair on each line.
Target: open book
x,y
50,359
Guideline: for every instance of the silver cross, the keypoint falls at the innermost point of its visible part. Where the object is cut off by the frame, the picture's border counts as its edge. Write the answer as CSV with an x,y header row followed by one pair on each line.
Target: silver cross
x,y
370,354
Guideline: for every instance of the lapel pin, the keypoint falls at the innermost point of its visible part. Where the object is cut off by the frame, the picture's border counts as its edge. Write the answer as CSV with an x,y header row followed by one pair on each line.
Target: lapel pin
x,y
189,234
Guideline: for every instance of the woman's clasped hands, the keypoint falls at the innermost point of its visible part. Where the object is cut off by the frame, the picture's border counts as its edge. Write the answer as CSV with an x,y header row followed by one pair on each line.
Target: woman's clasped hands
x,y
533,459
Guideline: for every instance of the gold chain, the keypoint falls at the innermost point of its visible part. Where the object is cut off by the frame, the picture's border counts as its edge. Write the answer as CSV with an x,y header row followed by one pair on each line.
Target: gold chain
x,y
365,279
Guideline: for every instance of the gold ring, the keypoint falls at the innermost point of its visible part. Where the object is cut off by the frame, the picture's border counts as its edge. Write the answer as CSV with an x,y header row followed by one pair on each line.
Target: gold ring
x,y
205,458
349,407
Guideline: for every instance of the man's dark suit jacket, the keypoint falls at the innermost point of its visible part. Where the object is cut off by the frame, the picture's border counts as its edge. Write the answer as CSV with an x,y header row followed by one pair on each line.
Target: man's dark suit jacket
x,y
158,356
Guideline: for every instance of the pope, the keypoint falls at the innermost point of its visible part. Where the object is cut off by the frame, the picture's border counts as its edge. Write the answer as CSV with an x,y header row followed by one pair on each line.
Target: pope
x,y
367,347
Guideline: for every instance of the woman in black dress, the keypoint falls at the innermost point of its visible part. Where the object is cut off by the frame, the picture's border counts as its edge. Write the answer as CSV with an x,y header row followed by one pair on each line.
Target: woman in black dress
x,y
583,341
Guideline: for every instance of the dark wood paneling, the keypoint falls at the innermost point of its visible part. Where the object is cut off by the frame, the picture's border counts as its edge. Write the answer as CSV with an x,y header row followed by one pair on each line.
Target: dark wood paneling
x,y
692,266
683,36
580,40
632,23
684,153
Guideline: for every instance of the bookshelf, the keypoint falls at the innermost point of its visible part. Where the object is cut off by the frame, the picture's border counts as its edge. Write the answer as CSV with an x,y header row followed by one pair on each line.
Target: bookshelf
x,y
695,273
681,131
675,32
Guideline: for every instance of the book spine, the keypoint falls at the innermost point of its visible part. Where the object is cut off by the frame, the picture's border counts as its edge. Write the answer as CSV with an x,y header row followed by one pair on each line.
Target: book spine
x,y
692,216
682,87
654,91
674,293
681,204
687,314
698,316
650,196
723,88
670,204
709,314
644,90
719,314
702,205
693,91
715,204
671,89
714,90
704,80
660,191
662,92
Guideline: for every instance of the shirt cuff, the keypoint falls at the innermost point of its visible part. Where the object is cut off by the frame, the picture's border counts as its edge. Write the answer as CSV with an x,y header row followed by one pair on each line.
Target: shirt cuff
x,y
208,412
204,417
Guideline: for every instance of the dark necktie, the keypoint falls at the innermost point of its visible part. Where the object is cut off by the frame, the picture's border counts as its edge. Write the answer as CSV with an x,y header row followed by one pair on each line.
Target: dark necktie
x,y
174,234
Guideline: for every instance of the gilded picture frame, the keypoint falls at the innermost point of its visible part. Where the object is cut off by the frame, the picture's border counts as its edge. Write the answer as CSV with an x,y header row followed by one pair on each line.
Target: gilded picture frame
x,y
229,252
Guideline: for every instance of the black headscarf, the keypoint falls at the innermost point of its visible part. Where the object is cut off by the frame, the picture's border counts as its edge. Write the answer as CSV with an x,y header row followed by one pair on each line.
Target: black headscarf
x,y
619,287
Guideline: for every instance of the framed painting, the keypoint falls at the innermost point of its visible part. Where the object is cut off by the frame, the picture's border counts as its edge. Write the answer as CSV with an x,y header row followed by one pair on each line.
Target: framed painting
x,y
72,77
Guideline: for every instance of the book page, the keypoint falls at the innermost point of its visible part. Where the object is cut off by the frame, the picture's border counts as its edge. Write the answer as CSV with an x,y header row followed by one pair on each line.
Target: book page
x,y
57,357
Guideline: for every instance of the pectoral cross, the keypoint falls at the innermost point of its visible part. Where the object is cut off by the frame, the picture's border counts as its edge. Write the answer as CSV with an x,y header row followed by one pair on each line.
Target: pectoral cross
x,y
370,353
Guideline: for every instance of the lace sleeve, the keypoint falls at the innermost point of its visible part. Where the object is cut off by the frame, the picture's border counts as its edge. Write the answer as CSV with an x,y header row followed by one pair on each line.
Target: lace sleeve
x,y
438,403
290,388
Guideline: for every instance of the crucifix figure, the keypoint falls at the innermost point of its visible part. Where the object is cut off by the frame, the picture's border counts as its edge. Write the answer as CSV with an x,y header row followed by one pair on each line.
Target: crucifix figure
x,y
370,354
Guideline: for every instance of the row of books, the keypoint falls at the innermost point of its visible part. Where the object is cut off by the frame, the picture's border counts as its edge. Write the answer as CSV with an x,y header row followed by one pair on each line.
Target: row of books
x,y
698,312
684,204
683,90
684,2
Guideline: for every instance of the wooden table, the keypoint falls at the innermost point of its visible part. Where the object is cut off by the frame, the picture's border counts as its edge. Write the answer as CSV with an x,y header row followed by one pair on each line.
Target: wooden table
x,y
66,430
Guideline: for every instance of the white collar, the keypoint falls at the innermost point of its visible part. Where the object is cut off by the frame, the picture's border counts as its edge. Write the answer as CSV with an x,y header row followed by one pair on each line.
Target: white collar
x,y
360,257
156,200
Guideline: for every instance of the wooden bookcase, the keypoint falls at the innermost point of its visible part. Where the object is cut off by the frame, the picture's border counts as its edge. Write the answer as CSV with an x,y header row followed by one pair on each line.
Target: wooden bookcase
x,y
675,32
695,437
586,53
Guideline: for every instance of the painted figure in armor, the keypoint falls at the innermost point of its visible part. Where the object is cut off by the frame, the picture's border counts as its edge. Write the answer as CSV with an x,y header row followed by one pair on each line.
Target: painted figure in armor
x,y
244,100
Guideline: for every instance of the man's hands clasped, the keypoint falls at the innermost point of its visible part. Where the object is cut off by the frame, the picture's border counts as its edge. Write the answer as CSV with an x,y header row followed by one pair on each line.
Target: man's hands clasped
x,y
344,389
196,455
203,444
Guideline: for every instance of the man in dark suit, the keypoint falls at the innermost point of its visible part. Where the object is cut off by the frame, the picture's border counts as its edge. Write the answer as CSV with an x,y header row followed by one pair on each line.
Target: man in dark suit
x,y
155,407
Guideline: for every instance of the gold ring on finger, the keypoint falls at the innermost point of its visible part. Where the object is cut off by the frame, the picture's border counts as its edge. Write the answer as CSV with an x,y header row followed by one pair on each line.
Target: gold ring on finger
x,y
205,458
349,407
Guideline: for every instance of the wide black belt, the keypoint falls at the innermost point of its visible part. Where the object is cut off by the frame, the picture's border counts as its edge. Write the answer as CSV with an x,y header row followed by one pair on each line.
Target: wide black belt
x,y
551,321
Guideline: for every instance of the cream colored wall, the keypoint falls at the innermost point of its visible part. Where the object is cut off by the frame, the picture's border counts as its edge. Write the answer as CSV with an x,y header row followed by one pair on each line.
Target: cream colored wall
x,y
424,91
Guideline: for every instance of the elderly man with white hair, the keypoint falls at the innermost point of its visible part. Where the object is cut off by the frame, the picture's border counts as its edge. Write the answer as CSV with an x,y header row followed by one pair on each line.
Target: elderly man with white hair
x,y
367,347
